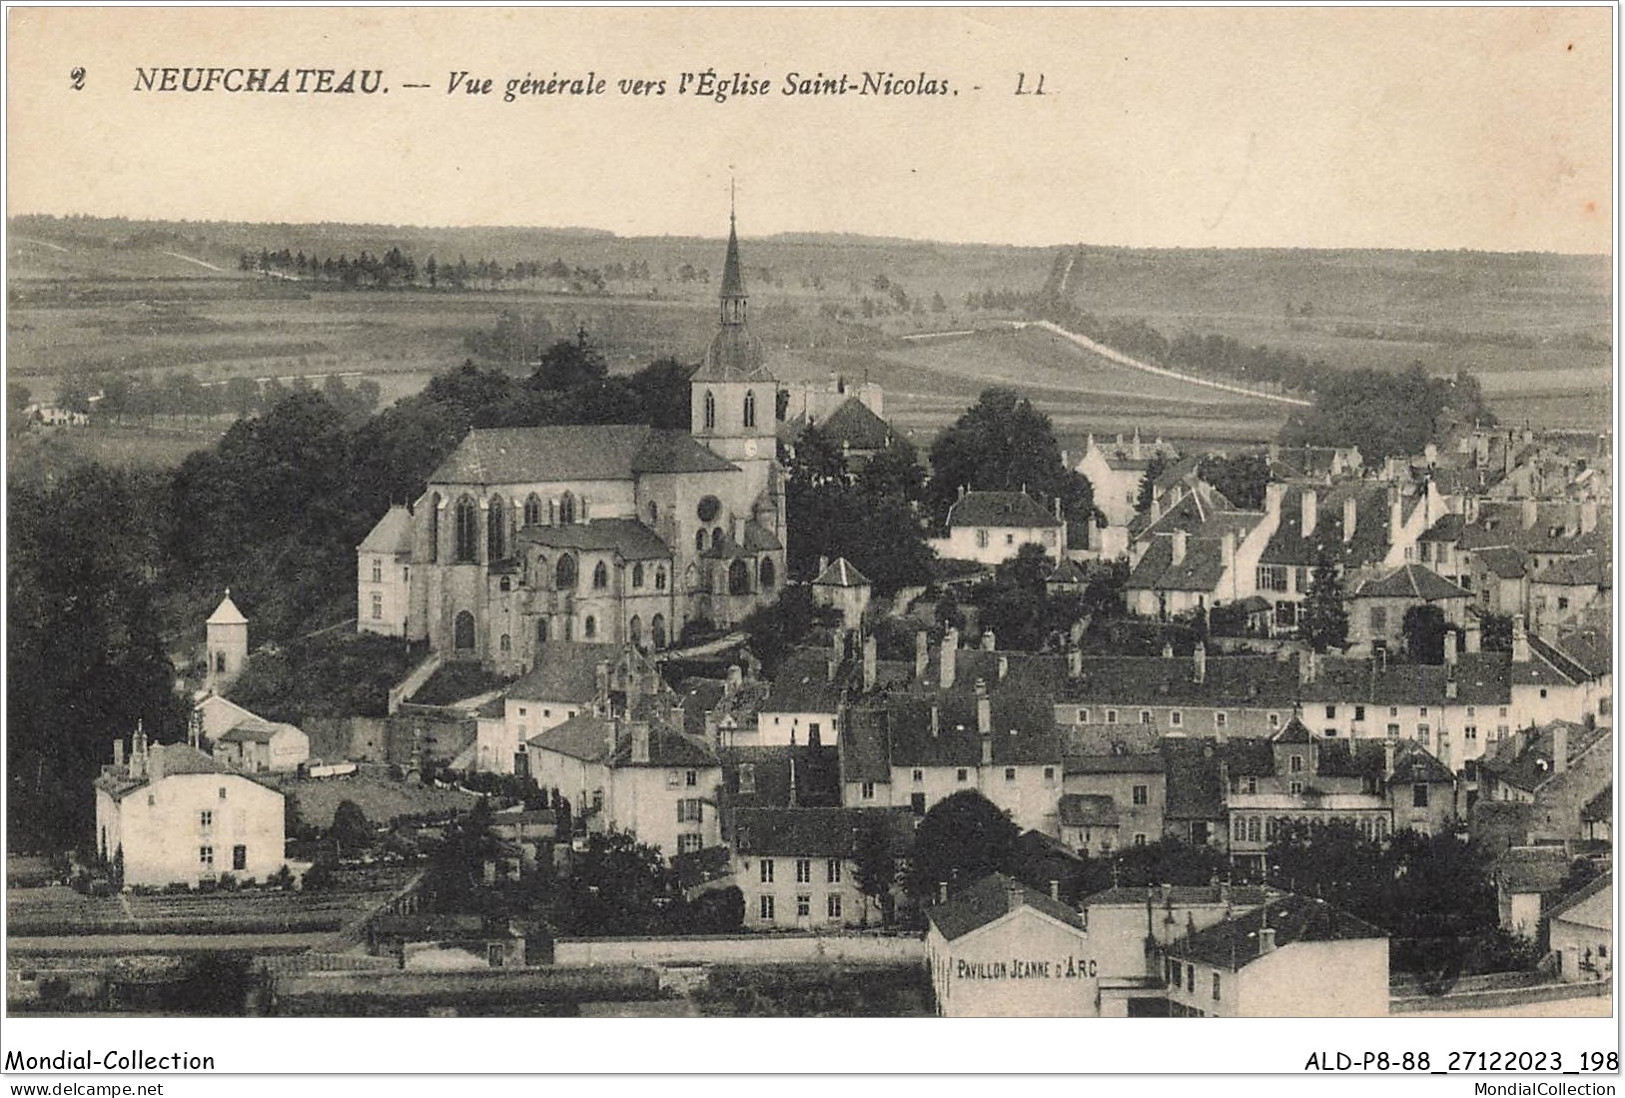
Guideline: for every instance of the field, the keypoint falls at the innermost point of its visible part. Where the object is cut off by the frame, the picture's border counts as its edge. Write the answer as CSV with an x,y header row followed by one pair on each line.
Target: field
x,y
379,799
88,296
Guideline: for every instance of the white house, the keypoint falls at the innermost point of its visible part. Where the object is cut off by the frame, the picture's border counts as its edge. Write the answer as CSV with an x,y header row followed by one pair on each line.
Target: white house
x,y
991,527
1292,957
384,576
248,742
175,816
1582,932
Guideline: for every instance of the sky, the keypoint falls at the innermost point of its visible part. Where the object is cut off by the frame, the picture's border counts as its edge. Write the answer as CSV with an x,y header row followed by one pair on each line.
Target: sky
x,y
1483,128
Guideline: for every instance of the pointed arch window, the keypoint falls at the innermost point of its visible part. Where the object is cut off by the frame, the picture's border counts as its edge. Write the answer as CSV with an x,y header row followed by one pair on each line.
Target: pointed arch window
x,y
768,574
600,576
541,630
496,530
660,577
716,538
750,407
564,576
699,541
434,527
710,411
567,509
637,574
738,578
654,512
533,510
657,630
634,631
467,532
589,628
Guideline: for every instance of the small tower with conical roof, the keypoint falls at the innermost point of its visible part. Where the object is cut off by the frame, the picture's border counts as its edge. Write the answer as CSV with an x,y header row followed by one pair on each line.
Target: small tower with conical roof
x,y
227,631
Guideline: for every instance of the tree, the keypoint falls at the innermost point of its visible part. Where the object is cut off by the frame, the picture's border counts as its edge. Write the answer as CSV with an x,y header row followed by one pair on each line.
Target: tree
x,y
718,911
1148,483
962,839
894,471
350,830
570,365
1497,632
1242,479
875,867
1325,621
619,886
1426,633
1169,861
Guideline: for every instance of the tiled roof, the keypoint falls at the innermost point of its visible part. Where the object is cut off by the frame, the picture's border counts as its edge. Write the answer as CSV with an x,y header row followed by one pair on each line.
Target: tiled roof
x,y
1003,509
254,730
1066,572
1586,571
227,613
1370,541
522,455
1021,734
1203,509
584,736
565,672
1602,882
769,771
1532,769
865,746
1178,895
180,758
1525,869
1294,732
1553,531
802,685
1234,943
1117,763
1482,678
758,539
1411,581
1200,570
1446,528
666,748
1230,681
841,574
628,538
1599,809
392,534
735,354
1194,792
1249,756
699,696
854,424
1505,561
815,832
1087,810
988,900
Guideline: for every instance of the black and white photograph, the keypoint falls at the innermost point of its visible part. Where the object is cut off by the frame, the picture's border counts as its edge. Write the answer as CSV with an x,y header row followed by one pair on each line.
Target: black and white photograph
x,y
573,519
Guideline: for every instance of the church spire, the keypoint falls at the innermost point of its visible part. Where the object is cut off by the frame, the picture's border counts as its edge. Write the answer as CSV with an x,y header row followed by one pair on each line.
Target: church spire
x,y
733,282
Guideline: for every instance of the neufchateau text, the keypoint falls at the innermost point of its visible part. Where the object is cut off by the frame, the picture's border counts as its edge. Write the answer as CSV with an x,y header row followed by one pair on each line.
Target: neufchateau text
x,y
708,83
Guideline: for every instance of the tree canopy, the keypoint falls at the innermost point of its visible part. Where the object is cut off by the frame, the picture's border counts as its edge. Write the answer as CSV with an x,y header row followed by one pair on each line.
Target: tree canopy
x,y
1324,619
1388,413
962,839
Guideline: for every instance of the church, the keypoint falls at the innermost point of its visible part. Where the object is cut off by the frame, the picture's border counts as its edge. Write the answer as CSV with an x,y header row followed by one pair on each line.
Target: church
x,y
606,535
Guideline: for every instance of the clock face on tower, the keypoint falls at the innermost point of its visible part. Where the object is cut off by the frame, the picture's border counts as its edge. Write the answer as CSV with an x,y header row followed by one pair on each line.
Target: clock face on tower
x,y
750,447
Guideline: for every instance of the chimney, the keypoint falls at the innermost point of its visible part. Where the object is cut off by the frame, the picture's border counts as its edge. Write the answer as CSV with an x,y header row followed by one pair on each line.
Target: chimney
x,y
936,720
1396,517
640,741
1274,493
948,657
1199,672
1167,650
1472,636
1134,447
138,752
155,762
118,753
1004,666
1227,550
1310,512
1588,515
1266,940
869,654
1055,890
1529,512
677,718
922,655
990,641
736,679
1155,513
612,730
1450,680
1520,640
942,892
1273,453
1546,629
1057,508
984,709
1560,748
1520,740
602,687
1074,661
1351,518
1180,538
1452,638
1388,760
1014,897
823,565
793,798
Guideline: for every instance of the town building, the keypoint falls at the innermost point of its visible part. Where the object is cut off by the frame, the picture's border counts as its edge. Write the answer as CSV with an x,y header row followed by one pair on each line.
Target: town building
x,y
852,427
226,637
1527,880
1581,931
1112,801
645,777
172,815
1378,607
608,534
840,586
999,949
1556,771
247,742
1131,927
799,867
1291,957
384,576
1115,470
991,527
803,702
